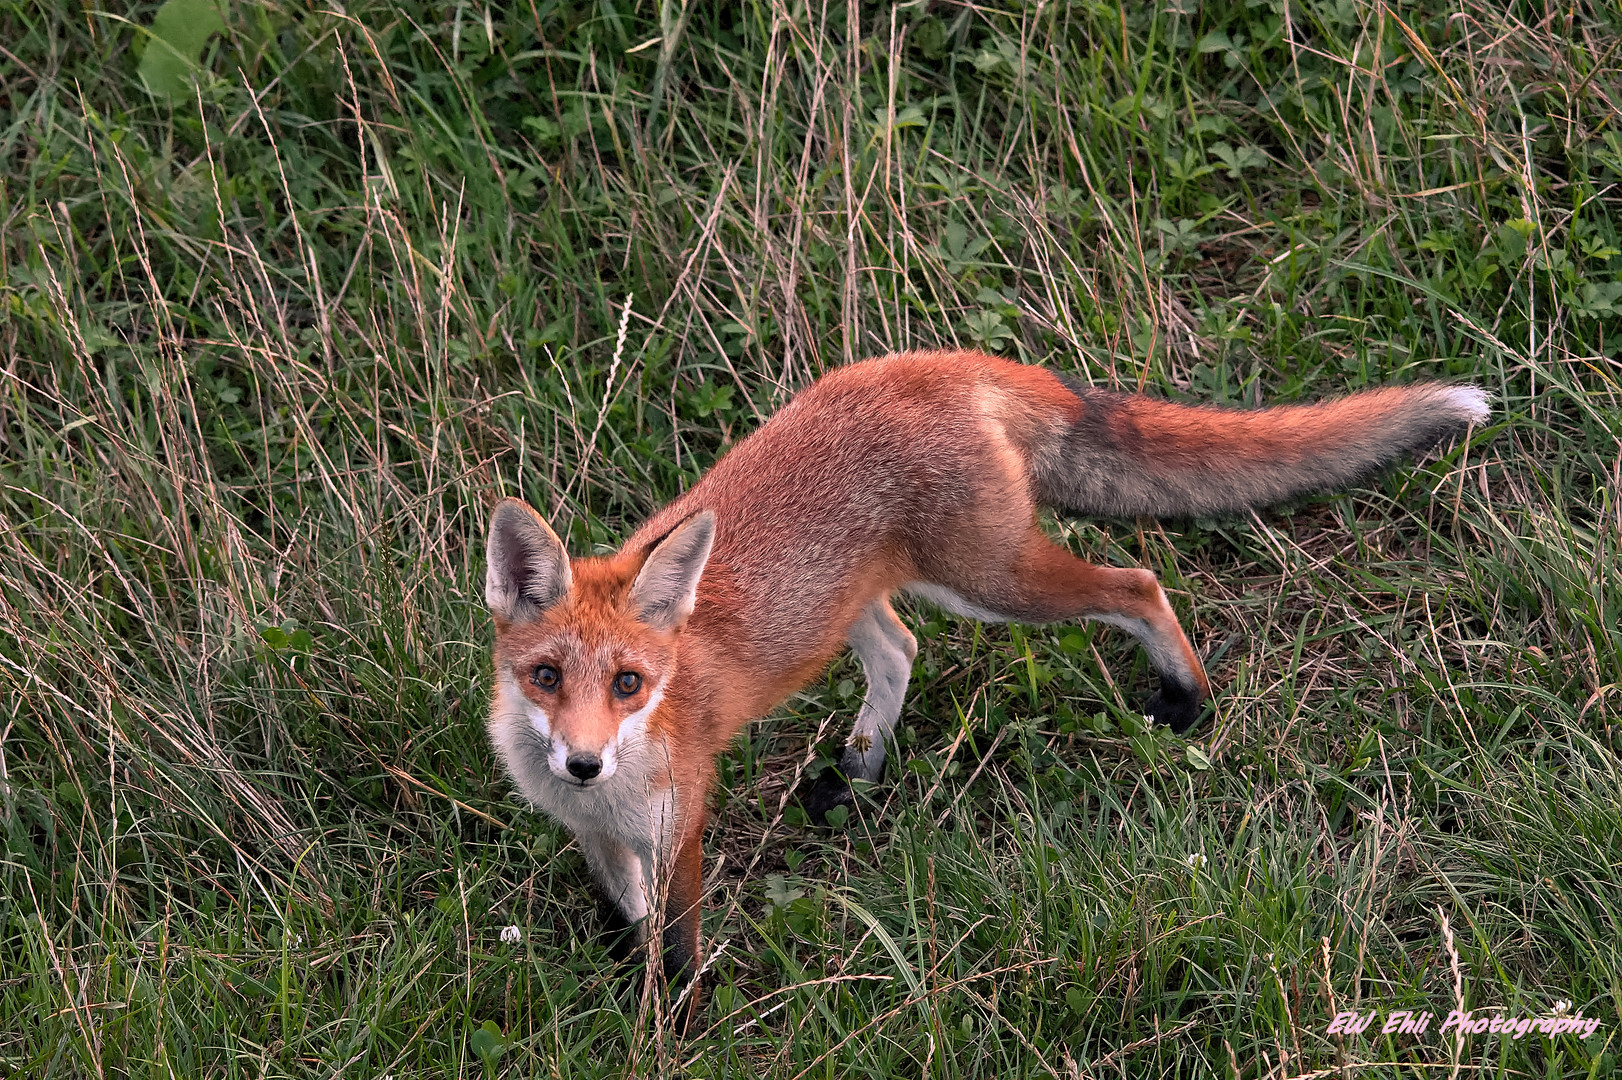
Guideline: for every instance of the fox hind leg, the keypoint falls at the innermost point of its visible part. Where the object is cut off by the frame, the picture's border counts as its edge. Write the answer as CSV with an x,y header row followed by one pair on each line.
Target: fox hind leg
x,y
886,650
1183,688
1044,583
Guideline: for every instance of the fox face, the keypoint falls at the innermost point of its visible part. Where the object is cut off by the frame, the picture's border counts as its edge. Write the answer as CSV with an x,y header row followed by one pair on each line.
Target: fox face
x,y
586,677
585,651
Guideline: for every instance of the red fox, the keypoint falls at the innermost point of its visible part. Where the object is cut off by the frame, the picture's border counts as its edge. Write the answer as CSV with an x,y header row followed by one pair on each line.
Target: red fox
x,y
619,679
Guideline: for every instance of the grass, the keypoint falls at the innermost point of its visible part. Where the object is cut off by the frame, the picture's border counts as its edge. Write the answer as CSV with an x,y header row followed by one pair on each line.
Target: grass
x,y
283,316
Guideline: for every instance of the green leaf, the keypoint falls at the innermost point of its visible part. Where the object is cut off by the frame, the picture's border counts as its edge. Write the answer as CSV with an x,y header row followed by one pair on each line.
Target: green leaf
x,y
1237,160
782,891
487,1041
905,117
1196,758
910,116
930,36
987,330
547,132
986,61
711,399
179,32
837,816
1601,298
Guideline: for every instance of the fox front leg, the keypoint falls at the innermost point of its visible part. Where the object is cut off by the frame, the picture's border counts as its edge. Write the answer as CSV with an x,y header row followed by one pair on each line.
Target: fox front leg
x,y
683,923
625,885
622,887
886,650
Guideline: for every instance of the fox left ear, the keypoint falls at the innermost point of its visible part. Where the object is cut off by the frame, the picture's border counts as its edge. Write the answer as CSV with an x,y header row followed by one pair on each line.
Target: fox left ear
x,y
667,584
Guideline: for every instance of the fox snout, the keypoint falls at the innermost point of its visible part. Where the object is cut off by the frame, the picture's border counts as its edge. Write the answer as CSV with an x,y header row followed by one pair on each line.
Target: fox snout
x,y
578,762
583,766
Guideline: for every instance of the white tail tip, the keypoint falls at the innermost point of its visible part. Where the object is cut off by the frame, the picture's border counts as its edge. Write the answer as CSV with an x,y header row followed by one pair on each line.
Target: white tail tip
x,y
1471,403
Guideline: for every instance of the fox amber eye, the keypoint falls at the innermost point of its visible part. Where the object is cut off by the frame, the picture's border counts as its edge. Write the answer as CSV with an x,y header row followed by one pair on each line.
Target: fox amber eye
x,y
546,677
627,683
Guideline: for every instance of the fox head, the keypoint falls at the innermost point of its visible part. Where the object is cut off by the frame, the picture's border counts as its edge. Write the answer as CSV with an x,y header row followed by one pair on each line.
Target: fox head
x,y
586,648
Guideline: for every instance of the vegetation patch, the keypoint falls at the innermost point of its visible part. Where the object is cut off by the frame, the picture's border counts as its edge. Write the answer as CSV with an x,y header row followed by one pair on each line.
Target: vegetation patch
x,y
290,294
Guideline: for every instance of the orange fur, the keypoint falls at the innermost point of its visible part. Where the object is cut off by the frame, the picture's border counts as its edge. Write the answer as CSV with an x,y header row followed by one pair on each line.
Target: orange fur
x,y
921,471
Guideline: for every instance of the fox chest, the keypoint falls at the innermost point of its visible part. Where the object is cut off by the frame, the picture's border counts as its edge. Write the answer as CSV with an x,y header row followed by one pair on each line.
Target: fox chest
x,y
636,811
635,807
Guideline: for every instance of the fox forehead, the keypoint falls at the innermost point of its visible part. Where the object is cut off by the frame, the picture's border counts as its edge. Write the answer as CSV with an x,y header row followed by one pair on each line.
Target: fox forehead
x,y
583,646
591,629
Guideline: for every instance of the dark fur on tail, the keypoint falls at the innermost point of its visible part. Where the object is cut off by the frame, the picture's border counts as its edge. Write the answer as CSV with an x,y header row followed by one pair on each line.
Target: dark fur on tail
x,y
1129,456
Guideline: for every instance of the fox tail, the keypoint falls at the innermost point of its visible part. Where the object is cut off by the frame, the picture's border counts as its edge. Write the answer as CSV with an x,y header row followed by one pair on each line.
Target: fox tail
x,y
1127,456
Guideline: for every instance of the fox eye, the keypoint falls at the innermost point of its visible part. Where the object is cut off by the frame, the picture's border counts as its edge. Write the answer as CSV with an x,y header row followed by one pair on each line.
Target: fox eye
x,y
546,677
627,683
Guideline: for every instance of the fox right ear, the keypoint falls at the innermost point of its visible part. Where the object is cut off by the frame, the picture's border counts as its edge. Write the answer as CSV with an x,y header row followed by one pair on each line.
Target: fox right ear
x,y
528,569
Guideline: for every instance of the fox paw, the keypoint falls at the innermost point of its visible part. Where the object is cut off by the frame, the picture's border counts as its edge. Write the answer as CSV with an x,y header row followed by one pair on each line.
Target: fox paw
x,y
1174,706
619,936
831,789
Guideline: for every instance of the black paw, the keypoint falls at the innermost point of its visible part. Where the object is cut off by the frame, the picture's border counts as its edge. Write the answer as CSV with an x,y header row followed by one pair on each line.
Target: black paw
x,y
679,961
831,789
683,990
1175,706
617,935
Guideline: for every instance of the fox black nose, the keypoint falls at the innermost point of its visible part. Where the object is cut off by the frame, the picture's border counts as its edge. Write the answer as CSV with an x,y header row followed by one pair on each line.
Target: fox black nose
x,y
584,766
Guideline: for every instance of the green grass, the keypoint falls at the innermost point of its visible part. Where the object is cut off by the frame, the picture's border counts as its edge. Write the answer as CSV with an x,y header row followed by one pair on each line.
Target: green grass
x,y
271,345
